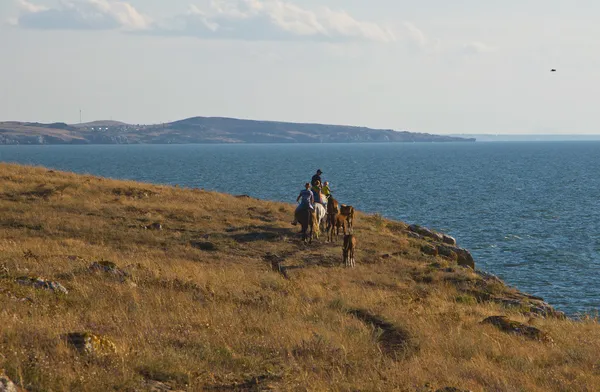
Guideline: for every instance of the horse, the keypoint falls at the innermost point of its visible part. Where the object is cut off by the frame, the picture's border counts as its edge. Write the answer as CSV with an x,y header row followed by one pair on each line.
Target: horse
x,y
319,213
349,212
332,211
348,250
341,221
306,217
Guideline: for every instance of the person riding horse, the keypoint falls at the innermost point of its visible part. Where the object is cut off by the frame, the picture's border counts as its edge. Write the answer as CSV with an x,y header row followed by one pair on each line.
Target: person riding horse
x,y
326,192
306,199
316,178
316,190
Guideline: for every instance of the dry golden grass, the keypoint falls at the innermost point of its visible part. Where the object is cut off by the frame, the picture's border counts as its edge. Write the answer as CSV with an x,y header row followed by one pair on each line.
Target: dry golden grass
x,y
223,319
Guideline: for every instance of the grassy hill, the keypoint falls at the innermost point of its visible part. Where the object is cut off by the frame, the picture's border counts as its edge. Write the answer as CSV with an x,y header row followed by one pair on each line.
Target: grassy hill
x,y
93,297
205,130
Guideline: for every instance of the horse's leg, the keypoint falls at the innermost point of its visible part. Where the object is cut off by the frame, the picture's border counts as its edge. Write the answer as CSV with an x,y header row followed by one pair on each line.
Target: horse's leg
x,y
311,225
303,225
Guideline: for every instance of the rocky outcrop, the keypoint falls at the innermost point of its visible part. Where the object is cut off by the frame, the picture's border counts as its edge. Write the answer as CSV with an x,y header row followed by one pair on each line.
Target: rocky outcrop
x,y
42,284
510,326
107,267
421,232
484,287
153,226
463,256
445,246
158,386
90,344
448,253
429,250
6,385
425,232
448,239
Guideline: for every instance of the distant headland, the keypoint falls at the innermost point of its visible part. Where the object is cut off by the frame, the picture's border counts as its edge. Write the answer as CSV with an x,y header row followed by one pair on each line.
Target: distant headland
x,y
206,130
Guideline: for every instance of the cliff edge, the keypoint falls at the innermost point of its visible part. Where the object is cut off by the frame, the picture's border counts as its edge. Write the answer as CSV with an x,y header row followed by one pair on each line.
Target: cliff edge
x,y
116,285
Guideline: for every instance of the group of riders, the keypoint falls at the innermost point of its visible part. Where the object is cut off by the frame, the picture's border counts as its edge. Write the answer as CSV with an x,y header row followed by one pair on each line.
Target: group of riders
x,y
315,191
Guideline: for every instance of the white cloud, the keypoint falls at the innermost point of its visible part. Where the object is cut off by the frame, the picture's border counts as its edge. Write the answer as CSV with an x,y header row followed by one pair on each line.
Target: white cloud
x,y
250,20
476,48
82,14
417,41
29,7
271,20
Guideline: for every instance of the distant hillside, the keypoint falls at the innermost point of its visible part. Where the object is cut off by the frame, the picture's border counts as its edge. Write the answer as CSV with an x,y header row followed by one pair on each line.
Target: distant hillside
x,y
100,123
205,130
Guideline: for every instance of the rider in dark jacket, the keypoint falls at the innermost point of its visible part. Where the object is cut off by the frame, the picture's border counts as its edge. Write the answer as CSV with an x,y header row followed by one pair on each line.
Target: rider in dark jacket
x,y
316,178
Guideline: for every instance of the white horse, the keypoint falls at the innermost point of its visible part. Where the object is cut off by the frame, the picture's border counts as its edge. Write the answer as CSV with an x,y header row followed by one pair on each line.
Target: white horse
x,y
320,212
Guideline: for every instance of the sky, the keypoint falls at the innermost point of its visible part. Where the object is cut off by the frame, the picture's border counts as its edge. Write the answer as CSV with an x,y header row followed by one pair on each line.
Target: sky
x,y
436,66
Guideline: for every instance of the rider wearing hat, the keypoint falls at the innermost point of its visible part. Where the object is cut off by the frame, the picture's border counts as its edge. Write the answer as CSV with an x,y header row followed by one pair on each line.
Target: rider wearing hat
x,y
316,179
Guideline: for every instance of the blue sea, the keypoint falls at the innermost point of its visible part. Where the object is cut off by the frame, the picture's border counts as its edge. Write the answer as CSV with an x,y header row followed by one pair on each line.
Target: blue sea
x,y
528,211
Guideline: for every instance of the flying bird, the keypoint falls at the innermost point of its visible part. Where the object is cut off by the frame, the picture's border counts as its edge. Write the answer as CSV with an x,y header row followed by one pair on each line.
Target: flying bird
x,y
552,70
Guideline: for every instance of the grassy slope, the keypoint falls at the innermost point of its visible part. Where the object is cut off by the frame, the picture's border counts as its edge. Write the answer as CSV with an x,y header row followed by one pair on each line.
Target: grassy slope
x,y
197,319
11,128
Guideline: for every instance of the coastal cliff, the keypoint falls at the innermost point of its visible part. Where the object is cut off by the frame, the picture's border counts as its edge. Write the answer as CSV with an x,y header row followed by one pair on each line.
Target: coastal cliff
x,y
206,130
118,285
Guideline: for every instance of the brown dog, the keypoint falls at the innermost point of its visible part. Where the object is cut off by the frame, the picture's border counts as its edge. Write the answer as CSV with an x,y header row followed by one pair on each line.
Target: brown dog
x,y
348,250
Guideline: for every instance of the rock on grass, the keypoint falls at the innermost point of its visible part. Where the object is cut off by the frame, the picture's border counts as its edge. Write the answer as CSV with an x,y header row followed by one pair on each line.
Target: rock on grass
x,y
504,324
42,284
90,344
6,385
108,267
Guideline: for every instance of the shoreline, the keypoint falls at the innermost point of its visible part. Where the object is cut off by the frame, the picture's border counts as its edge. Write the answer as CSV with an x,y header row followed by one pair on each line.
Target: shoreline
x,y
540,307
137,284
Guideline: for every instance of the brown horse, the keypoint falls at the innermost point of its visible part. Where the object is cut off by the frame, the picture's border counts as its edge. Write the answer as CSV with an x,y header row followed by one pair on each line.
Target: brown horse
x,y
348,250
349,212
306,217
332,211
341,222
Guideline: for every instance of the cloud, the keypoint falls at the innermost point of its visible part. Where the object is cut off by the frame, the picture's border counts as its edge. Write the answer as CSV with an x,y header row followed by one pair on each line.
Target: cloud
x,y
82,14
29,7
473,48
417,41
270,20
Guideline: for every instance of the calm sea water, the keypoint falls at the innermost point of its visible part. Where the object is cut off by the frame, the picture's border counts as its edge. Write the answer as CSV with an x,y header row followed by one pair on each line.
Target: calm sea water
x,y
529,212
